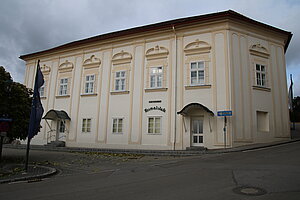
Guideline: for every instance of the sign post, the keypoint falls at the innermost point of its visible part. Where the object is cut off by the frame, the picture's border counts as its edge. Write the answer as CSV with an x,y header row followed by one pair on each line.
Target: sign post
x,y
225,114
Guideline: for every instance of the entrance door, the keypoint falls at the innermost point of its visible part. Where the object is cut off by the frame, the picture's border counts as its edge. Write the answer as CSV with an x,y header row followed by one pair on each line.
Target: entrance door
x,y
60,135
197,132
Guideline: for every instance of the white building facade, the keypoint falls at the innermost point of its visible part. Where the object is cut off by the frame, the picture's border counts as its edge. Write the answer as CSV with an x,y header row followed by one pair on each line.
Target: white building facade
x,y
160,86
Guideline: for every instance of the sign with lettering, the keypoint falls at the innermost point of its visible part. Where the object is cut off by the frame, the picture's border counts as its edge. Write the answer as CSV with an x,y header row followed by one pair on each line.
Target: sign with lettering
x,y
155,108
223,113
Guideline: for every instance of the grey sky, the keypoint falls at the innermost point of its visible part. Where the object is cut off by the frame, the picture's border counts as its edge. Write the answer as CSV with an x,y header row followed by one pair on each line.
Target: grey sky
x,y
28,26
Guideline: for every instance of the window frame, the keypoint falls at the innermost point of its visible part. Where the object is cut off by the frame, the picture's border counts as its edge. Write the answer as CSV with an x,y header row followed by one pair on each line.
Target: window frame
x,y
259,80
120,79
197,70
63,91
86,125
154,125
88,89
156,77
118,119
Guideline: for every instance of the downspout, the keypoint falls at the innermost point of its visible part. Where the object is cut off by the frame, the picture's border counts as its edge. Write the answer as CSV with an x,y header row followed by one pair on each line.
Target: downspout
x,y
175,100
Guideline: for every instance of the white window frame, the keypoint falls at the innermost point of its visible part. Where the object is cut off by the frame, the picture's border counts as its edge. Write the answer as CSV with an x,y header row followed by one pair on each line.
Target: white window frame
x,y
118,87
197,70
86,125
117,129
158,77
155,118
89,84
42,90
63,86
259,74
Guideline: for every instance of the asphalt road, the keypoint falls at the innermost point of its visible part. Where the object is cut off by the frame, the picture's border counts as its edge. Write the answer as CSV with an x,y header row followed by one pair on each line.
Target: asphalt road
x,y
271,173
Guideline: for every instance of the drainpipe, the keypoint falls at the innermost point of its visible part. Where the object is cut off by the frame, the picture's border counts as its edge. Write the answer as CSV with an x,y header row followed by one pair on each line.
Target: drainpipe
x,y
175,108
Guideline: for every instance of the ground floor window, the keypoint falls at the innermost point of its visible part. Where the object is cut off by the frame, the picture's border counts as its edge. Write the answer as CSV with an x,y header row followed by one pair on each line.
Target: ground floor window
x,y
154,125
86,125
117,125
262,121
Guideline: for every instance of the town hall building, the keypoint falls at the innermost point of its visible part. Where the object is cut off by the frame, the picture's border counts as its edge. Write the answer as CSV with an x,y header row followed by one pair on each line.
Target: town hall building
x,y
160,86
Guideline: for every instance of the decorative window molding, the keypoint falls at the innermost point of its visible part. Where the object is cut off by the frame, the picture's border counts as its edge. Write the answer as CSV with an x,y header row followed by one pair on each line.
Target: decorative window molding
x,y
45,69
259,50
157,52
121,58
66,66
197,47
92,62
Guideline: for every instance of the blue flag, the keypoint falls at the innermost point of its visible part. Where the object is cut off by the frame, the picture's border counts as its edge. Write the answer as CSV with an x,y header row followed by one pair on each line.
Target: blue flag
x,y
36,107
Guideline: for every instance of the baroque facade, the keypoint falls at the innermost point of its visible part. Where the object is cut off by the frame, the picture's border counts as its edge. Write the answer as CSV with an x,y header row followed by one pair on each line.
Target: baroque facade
x,y
160,86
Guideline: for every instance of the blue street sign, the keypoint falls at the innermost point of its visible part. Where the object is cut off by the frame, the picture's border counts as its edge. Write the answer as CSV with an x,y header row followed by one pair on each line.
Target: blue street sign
x,y
225,113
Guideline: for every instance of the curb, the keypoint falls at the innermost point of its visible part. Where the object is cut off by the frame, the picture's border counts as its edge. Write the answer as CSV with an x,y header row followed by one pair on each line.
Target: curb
x,y
154,152
50,171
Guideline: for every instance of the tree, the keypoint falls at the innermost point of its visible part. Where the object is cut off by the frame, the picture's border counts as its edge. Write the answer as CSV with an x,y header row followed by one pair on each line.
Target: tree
x,y
15,103
295,116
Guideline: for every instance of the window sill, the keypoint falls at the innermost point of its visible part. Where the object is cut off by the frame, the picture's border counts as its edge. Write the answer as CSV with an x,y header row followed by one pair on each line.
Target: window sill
x,y
154,134
62,96
86,95
261,88
117,133
119,92
156,89
43,97
192,87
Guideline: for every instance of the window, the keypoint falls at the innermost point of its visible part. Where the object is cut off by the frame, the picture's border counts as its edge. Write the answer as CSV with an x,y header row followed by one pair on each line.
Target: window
x,y
63,88
197,73
120,81
89,84
156,75
42,90
62,126
117,125
260,75
154,125
86,125
262,121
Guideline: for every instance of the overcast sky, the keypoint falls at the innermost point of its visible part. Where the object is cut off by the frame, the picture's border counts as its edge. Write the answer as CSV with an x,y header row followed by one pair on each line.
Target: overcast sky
x,y
28,26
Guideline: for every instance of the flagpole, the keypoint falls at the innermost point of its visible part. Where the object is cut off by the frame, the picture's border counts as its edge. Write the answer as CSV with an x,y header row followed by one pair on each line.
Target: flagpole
x,y
27,155
292,108
36,111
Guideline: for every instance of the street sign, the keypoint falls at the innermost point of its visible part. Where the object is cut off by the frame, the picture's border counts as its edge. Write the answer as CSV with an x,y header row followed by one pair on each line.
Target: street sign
x,y
4,124
225,113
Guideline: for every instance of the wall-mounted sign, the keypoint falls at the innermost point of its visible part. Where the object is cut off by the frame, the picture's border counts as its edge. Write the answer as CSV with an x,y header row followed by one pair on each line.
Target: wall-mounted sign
x,y
225,113
155,108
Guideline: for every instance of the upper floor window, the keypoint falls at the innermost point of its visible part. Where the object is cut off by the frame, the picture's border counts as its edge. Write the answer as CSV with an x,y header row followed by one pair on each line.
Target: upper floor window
x,y
197,73
86,125
89,84
42,90
261,75
156,76
63,87
117,125
120,81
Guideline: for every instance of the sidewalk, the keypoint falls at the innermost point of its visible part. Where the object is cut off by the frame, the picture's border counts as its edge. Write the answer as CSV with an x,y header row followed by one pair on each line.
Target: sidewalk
x,y
14,172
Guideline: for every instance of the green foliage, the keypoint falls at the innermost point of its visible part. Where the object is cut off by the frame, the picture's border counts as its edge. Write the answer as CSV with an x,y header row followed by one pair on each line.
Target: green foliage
x,y
15,103
295,116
